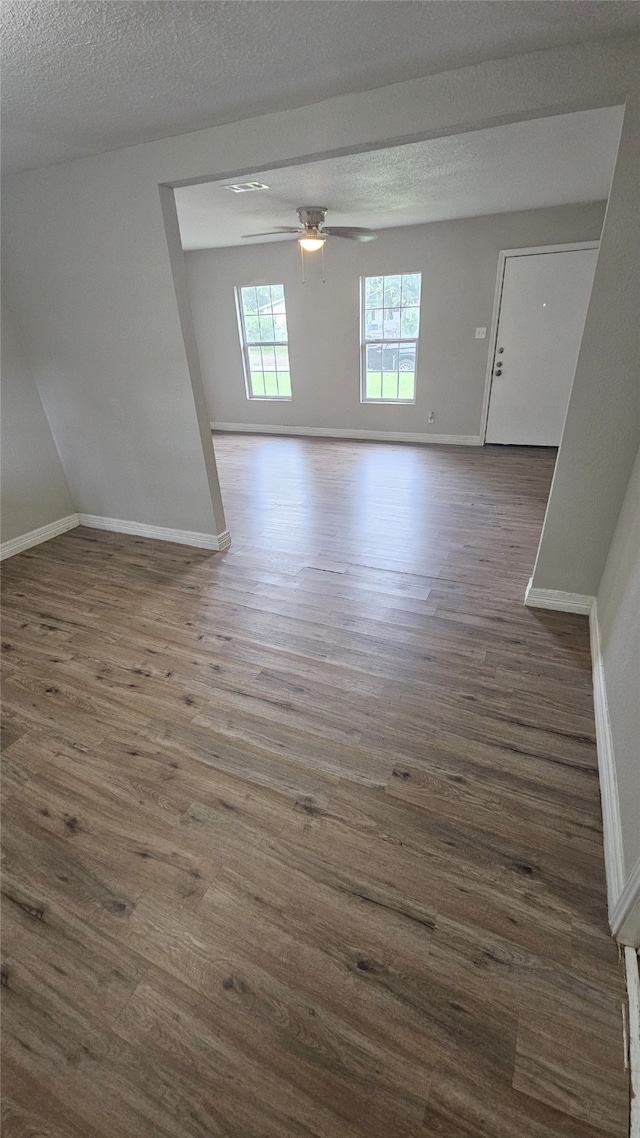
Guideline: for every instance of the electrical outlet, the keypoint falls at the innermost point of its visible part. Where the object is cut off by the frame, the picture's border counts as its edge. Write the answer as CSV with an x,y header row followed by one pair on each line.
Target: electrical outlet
x,y
432,416
481,333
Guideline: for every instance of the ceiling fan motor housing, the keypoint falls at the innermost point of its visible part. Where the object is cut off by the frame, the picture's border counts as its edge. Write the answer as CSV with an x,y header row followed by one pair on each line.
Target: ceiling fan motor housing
x,y
312,217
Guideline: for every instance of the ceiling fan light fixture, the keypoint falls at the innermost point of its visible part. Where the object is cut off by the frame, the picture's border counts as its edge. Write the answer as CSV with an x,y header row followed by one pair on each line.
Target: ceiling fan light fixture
x,y
311,242
313,234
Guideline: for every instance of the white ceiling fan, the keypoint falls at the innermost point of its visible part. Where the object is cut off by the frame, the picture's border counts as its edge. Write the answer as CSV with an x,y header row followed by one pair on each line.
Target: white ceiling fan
x,y
312,231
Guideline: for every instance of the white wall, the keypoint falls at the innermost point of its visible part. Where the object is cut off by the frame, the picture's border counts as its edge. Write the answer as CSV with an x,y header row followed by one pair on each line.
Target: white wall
x,y
34,488
458,261
88,275
618,606
602,428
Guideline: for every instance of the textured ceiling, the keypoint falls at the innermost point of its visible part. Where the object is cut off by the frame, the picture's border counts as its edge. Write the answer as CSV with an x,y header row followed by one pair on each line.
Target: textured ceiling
x,y
543,162
93,75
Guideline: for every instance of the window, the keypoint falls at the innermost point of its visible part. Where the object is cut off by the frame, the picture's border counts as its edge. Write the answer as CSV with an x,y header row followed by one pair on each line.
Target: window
x,y
263,334
390,329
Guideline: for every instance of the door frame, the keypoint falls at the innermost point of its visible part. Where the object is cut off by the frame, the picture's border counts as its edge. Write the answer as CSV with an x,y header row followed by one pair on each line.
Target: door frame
x,y
503,255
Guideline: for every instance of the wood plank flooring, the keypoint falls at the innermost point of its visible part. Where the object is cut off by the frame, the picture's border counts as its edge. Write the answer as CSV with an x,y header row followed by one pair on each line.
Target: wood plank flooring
x,y
304,839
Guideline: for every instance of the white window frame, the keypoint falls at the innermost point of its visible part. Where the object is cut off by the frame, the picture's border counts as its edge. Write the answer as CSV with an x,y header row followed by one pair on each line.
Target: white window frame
x,y
245,344
364,344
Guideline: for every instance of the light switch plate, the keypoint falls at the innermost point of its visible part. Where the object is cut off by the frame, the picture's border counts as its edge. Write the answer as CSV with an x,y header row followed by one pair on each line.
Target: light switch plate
x,y
481,333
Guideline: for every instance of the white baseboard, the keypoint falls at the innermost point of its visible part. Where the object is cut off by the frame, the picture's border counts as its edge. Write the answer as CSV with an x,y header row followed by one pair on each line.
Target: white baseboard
x,y
623,892
36,536
625,915
217,542
348,433
633,996
557,600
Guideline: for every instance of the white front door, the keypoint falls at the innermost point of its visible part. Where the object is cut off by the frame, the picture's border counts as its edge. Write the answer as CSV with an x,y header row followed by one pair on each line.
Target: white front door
x,y
542,313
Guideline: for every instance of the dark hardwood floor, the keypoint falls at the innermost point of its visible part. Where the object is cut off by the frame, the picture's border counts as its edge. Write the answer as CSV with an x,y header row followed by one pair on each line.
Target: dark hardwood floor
x,y
304,839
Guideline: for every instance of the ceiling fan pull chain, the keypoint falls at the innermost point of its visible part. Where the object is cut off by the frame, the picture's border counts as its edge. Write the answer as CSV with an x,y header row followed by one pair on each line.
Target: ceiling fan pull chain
x,y
302,259
322,257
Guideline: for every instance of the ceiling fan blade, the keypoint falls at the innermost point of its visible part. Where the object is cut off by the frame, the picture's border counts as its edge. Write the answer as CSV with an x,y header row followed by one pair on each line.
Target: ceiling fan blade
x,y
278,229
352,232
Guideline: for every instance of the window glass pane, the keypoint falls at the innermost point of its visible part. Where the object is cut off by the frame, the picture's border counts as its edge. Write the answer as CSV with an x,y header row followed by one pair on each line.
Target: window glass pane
x,y
277,293
374,357
391,324
373,291
389,357
259,377
257,382
411,289
389,385
268,358
406,385
280,327
373,379
249,302
252,328
263,293
282,357
374,385
266,328
410,322
392,291
255,359
271,384
373,324
284,383
407,357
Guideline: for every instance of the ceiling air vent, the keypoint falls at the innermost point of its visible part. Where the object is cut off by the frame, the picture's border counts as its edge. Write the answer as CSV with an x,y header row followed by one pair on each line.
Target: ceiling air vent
x,y
246,187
